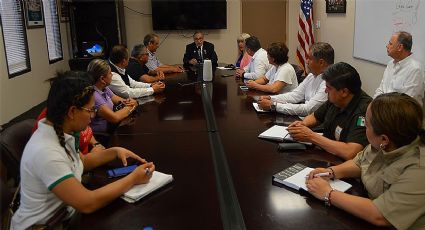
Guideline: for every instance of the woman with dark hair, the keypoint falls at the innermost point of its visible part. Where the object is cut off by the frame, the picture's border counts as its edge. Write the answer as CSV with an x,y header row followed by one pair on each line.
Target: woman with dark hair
x,y
391,168
52,166
281,78
105,99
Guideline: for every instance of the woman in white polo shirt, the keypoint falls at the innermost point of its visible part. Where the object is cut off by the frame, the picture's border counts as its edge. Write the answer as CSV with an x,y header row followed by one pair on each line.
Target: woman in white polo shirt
x,y
281,78
51,165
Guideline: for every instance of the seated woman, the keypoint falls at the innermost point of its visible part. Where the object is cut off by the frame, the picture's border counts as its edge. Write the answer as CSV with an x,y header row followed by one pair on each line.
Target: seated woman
x,y
52,166
243,57
105,99
281,78
88,142
391,168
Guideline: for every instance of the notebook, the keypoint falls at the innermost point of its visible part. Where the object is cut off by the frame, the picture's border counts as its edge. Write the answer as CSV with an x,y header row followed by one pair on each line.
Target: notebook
x,y
294,177
137,192
280,133
258,109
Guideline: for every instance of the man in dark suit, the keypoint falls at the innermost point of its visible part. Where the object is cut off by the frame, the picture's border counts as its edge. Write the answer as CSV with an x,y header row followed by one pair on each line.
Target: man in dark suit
x,y
198,51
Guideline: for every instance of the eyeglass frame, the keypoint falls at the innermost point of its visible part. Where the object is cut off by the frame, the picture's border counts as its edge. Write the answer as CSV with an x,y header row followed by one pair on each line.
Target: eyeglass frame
x,y
91,111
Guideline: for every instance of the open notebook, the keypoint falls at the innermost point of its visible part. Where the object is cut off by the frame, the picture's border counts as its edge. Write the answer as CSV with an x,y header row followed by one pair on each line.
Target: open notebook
x,y
279,133
157,180
295,176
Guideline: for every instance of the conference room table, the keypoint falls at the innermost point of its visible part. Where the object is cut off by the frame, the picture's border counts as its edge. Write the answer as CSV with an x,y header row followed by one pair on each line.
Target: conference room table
x,y
206,136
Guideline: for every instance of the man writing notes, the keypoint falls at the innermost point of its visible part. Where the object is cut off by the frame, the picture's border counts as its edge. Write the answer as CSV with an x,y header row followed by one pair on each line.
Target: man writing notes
x,y
342,116
198,51
310,94
259,64
403,74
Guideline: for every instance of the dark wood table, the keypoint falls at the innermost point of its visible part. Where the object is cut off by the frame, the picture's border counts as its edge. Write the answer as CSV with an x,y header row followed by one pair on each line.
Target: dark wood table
x,y
171,130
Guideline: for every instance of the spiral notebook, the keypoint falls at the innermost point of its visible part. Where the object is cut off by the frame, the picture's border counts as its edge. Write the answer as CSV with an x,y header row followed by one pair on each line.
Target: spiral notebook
x,y
295,176
137,192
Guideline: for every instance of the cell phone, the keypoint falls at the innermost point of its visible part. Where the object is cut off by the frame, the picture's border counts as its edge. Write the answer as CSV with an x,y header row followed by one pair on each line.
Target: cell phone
x,y
121,171
243,87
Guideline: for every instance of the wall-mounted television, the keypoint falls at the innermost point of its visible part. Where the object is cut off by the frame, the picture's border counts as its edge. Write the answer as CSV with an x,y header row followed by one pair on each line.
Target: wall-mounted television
x,y
189,14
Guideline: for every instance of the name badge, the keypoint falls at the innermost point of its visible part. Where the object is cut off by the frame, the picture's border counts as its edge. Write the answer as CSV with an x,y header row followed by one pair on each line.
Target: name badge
x,y
338,131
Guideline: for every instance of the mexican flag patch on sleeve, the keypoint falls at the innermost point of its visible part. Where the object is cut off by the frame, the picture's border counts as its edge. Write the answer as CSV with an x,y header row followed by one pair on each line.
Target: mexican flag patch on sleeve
x,y
360,121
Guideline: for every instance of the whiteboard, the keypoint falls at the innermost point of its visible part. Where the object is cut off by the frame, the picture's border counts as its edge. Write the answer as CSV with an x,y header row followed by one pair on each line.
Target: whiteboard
x,y
377,20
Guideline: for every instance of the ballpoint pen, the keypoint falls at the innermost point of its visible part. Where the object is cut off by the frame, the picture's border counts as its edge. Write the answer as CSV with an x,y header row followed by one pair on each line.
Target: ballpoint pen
x,y
324,174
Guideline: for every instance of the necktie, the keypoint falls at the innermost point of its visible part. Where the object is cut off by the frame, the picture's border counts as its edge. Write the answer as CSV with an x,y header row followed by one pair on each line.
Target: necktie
x,y
200,54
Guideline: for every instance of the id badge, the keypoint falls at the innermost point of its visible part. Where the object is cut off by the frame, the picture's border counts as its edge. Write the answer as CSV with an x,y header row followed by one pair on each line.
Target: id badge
x,y
338,131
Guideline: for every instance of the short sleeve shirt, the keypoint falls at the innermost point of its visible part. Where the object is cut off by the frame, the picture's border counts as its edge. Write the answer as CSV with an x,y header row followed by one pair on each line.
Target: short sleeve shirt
x,y
153,61
135,70
394,181
101,98
44,165
346,125
284,73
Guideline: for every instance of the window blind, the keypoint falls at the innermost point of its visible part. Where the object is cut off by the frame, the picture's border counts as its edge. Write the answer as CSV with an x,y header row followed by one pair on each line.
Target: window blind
x,y
14,37
53,37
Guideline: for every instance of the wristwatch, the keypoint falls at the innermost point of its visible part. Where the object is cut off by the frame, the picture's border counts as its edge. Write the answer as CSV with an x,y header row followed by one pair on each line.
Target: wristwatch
x,y
273,106
327,198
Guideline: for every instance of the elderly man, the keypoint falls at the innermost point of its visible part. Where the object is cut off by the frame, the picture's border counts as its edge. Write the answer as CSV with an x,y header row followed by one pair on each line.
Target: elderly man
x,y
199,50
310,94
259,64
137,68
403,74
342,116
151,41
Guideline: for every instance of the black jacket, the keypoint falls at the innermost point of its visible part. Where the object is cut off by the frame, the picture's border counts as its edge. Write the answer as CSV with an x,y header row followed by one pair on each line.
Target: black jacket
x,y
207,53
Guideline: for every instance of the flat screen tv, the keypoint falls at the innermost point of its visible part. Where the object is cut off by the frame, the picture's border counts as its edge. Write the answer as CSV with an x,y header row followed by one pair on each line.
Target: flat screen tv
x,y
189,14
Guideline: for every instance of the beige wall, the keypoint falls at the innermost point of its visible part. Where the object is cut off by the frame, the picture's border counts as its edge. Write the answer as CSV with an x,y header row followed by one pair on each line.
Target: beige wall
x,y
172,48
337,30
21,93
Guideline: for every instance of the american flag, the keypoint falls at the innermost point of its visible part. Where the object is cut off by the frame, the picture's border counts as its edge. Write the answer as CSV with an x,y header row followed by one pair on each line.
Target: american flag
x,y
305,32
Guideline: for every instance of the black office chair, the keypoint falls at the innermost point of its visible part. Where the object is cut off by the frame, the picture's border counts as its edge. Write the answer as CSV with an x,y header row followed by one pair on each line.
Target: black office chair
x,y
299,72
12,143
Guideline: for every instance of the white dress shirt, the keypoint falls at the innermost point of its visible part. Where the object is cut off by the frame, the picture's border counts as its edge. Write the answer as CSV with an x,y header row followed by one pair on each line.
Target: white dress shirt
x,y
153,61
135,90
284,73
258,66
405,76
311,93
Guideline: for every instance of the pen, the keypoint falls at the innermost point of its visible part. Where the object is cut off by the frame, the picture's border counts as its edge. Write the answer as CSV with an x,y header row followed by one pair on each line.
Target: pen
x,y
147,172
322,174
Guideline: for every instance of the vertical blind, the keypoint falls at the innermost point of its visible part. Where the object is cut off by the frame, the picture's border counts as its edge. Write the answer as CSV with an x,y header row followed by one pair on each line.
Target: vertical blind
x,y
54,43
14,37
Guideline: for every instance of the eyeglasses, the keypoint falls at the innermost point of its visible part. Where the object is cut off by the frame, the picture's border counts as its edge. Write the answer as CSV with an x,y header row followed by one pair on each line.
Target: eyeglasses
x,y
142,54
92,111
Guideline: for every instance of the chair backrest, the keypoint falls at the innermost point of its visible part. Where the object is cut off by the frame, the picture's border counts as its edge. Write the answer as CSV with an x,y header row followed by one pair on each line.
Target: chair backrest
x,y
299,72
12,143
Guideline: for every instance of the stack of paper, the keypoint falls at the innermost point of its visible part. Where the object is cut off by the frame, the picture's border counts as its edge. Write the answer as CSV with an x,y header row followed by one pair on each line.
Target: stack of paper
x,y
157,180
295,176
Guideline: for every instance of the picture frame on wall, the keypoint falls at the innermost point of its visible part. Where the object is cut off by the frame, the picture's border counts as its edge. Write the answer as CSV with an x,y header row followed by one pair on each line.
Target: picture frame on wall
x,y
64,10
336,6
34,14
